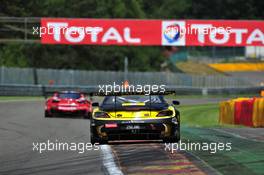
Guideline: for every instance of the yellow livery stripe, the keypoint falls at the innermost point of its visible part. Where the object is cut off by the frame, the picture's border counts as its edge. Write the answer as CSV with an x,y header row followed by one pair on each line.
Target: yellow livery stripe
x,y
133,104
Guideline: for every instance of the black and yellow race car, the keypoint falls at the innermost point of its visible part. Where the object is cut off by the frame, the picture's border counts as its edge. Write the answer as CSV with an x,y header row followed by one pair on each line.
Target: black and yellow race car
x,y
135,117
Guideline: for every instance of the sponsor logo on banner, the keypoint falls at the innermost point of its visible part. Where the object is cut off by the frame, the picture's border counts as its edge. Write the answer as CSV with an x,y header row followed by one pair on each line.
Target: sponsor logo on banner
x,y
99,31
173,33
225,33
151,32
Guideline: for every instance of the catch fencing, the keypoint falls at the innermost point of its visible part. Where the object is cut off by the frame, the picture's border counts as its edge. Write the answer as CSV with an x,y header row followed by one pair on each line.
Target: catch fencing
x,y
42,90
30,76
37,82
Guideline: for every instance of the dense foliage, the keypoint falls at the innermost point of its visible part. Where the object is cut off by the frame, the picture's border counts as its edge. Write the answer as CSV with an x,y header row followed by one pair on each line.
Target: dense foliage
x,y
112,57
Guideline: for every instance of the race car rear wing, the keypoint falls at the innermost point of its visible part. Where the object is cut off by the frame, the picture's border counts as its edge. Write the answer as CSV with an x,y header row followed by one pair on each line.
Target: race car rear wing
x,y
48,94
48,91
166,92
114,107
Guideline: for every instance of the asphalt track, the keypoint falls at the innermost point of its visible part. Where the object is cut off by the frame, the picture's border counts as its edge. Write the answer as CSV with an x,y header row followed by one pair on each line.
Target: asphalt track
x,y
23,123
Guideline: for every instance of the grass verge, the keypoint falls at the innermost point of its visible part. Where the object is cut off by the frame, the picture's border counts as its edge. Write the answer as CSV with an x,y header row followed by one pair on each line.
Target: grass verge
x,y
199,115
19,98
205,115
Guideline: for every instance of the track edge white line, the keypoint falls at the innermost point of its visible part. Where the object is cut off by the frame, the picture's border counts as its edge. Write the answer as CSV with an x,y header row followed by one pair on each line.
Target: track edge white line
x,y
109,164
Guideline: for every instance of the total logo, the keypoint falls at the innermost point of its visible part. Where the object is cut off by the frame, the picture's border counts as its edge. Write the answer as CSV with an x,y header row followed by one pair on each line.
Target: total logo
x,y
172,33
78,34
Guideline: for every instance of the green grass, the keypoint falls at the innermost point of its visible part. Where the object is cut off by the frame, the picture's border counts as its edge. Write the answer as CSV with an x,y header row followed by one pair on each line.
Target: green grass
x,y
205,115
199,115
14,98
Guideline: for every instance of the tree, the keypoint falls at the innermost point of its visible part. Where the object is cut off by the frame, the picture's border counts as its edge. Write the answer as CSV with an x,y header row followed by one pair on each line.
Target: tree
x,y
112,57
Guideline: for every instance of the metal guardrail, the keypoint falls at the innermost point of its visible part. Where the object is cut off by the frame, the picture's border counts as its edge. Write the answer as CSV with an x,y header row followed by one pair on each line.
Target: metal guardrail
x,y
40,90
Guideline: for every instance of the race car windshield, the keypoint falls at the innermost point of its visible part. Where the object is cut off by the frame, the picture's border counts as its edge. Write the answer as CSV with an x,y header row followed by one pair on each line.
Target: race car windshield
x,y
69,95
133,99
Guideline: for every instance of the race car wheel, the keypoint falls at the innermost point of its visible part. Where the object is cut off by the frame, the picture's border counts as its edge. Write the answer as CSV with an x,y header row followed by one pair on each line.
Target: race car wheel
x,y
174,138
47,114
88,115
95,139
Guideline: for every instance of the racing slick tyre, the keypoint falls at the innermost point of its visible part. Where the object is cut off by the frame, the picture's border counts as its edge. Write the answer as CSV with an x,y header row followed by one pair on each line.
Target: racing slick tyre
x,y
88,115
176,136
95,139
47,115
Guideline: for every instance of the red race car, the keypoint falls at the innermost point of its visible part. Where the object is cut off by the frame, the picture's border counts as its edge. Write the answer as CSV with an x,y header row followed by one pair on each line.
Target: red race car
x,y
68,102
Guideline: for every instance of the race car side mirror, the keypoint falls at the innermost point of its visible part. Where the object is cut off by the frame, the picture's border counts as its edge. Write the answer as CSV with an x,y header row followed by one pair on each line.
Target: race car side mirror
x,y
95,104
175,102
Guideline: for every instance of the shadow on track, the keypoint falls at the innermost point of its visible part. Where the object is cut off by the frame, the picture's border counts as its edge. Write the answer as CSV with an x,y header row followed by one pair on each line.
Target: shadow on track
x,y
67,117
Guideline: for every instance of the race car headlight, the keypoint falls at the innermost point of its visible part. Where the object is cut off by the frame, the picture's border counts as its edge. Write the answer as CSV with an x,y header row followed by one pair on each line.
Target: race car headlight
x,y
101,115
165,113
